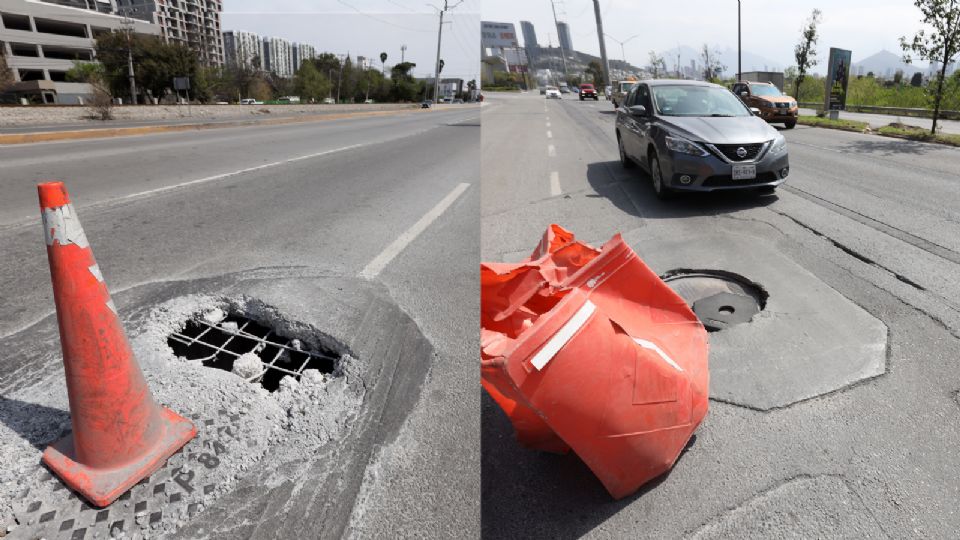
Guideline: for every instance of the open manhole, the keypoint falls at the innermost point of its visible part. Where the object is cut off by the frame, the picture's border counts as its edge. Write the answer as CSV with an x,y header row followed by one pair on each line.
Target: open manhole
x,y
720,299
251,350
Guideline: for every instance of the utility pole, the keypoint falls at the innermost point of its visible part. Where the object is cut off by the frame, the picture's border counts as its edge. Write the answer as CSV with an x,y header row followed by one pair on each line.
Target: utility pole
x,y
340,76
128,23
563,55
403,53
739,53
436,81
603,45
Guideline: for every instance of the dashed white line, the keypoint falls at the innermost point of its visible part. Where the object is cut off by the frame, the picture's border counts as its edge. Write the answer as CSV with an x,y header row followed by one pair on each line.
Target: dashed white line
x,y
381,261
548,124
549,134
555,184
551,150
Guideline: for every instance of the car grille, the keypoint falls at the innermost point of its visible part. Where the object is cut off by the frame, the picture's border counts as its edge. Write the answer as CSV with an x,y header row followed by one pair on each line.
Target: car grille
x,y
782,105
730,151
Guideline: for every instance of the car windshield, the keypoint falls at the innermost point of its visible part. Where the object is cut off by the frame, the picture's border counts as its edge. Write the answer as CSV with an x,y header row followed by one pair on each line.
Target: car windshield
x,y
764,90
625,87
697,101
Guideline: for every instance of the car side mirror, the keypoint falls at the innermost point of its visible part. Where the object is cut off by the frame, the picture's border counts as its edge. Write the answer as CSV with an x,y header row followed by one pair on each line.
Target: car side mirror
x,y
744,94
637,110
755,111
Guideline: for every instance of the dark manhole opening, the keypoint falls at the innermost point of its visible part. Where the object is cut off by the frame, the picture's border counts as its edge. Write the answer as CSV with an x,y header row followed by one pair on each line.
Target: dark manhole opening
x,y
222,342
720,299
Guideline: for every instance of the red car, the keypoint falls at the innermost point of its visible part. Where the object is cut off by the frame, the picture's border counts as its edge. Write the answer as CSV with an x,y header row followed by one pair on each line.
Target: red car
x,y
588,91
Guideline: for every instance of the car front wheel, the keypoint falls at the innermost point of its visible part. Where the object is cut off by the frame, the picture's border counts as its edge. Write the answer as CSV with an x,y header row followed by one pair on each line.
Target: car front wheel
x,y
624,158
791,124
656,176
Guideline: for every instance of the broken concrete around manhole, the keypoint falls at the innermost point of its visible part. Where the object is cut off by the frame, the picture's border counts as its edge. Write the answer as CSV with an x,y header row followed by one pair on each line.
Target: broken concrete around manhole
x,y
808,340
238,420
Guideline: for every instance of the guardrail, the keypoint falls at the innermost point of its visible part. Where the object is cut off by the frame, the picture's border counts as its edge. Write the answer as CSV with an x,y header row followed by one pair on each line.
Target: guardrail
x,y
892,111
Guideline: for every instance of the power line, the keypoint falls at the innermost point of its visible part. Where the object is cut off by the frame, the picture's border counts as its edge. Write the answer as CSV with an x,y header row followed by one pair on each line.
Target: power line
x,y
374,17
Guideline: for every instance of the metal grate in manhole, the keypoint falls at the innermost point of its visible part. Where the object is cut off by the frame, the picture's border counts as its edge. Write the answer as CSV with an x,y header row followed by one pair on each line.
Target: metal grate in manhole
x,y
221,343
720,299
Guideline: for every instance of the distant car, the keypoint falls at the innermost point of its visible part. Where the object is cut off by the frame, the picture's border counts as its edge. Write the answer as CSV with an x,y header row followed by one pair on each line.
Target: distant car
x,y
553,93
621,91
587,91
458,101
564,89
368,101
329,101
426,104
774,105
289,99
250,101
697,136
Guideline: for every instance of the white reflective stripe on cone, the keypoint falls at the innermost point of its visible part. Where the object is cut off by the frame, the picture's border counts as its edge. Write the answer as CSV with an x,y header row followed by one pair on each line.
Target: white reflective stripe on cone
x,y
543,357
653,347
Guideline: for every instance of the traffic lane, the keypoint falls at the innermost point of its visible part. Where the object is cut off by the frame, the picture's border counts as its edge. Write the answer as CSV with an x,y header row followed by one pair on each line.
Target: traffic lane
x,y
877,121
111,168
325,213
426,483
523,194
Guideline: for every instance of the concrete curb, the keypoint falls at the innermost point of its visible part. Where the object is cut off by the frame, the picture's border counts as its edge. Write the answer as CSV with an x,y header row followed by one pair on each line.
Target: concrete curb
x,y
25,138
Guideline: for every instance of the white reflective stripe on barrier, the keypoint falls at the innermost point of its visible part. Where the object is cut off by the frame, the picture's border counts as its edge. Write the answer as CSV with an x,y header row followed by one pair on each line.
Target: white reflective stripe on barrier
x,y
653,347
543,357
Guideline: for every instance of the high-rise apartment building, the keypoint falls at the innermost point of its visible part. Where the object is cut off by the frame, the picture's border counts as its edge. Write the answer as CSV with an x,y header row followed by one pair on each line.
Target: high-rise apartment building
x,y
243,49
301,52
278,56
195,23
100,6
563,32
529,36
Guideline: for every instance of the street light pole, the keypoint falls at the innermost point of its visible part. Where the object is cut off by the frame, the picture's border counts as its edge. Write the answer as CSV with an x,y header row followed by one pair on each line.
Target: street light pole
x,y
739,49
622,43
128,23
436,81
603,45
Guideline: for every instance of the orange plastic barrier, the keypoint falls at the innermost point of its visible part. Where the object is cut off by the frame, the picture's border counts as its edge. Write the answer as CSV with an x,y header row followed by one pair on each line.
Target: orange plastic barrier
x,y
589,350
120,435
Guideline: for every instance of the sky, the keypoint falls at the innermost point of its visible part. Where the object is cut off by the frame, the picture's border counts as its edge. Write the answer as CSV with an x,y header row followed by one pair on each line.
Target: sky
x,y
771,28
369,27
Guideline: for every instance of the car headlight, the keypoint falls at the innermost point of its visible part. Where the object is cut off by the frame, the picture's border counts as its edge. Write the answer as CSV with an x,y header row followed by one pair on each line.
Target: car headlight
x,y
683,146
793,104
779,145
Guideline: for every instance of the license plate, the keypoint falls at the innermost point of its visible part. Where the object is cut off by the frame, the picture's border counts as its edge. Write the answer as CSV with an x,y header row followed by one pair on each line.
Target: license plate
x,y
744,172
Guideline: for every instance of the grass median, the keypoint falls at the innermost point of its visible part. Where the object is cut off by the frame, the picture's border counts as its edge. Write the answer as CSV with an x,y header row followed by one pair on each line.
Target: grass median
x,y
845,125
896,130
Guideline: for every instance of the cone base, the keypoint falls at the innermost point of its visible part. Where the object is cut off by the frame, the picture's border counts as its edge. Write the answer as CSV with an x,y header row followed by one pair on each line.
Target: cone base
x,y
103,486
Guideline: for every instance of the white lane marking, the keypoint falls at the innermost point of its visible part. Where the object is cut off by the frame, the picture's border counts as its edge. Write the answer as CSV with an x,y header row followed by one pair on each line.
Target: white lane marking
x,y
232,173
551,150
548,124
543,357
548,119
653,347
381,261
549,134
555,184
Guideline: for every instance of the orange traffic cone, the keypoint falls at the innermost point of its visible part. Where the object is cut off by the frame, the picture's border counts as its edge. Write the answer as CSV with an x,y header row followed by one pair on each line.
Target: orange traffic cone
x,y
120,435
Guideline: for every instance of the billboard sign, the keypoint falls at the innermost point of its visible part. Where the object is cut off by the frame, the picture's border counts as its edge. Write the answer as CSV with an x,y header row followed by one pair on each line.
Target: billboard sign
x,y
838,76
181,83
498,35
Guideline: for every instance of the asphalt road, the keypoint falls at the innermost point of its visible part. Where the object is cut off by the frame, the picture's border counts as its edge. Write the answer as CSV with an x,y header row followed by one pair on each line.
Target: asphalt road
x,y
865,224
392,200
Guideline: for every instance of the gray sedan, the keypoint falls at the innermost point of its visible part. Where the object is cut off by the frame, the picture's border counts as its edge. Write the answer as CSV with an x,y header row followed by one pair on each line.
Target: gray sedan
x,y
697,136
